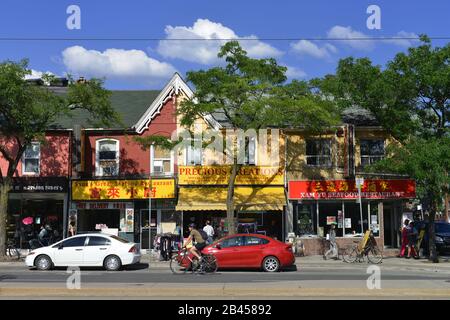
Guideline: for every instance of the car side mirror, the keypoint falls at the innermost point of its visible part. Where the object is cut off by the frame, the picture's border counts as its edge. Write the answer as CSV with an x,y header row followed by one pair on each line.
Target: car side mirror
x,y
218,246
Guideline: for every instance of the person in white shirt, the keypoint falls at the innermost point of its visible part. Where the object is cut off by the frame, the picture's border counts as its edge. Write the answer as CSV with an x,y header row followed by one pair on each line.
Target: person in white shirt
x,y
209,231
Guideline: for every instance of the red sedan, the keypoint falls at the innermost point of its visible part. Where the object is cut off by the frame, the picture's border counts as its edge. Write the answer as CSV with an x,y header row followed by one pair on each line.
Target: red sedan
x,y
251,251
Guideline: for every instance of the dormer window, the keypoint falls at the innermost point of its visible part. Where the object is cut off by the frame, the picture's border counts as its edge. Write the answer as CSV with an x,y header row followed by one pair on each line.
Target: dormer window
x,y
107,160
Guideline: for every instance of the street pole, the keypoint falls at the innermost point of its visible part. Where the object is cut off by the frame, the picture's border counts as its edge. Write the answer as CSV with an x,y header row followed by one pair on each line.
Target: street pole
x,y
360,182
150,202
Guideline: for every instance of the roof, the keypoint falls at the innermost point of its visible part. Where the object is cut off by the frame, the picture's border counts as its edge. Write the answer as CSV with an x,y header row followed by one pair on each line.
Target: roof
x,y
130,104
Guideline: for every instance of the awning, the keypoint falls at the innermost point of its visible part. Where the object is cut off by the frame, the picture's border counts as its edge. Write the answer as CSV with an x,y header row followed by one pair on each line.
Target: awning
x,y
246,198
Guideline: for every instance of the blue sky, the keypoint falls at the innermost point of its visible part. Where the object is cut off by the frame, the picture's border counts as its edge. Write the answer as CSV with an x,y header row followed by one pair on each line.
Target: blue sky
x,y
148,64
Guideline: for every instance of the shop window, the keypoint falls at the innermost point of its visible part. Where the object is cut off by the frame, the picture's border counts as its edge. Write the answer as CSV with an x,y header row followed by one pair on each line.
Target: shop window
x,y
374,219
107,160
98,241
232,242
162,163
318,152
371,151
353,217
305,219
31,159
329,212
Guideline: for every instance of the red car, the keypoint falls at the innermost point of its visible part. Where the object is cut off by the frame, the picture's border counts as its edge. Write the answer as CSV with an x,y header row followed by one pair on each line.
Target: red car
x,y
251,251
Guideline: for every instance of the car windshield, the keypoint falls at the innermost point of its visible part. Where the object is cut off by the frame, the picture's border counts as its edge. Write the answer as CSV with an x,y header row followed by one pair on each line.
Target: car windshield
x,y
442,227
120,239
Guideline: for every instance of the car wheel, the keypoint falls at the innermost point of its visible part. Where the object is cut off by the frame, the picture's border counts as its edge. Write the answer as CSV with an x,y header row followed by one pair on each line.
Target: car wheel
x,y
271,264
112,263
43,262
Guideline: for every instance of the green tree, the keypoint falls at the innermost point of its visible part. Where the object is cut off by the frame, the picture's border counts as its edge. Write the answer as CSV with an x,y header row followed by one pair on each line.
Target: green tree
x,y
410,98
27,111
253,94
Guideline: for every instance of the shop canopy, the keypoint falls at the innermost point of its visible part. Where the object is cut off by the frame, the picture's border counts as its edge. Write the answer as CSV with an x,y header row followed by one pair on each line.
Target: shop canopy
x,y
246,198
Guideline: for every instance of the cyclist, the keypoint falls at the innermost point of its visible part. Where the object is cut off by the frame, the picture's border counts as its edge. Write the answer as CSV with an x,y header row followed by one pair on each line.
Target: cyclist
x,y
199,245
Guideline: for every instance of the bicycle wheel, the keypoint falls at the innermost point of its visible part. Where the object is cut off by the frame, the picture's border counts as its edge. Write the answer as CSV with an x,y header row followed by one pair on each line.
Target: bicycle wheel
x,y
209,263
374,255
179,264
13,252
350,255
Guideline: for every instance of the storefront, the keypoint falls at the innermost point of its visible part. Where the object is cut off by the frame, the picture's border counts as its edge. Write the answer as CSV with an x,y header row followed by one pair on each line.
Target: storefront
x,y
259,198
44,200
121,207
378,207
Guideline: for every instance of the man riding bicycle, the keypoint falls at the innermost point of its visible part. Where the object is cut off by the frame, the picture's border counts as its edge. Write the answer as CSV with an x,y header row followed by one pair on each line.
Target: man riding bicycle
x,y
199,245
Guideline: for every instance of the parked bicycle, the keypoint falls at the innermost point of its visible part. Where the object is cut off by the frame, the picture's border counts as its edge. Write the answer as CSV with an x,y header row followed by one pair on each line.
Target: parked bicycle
x,y
12,250
183,262
364,248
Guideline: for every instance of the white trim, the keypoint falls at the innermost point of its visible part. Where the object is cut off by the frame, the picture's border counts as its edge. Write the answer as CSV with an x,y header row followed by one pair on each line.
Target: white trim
x,y
174,86
98,171
39,161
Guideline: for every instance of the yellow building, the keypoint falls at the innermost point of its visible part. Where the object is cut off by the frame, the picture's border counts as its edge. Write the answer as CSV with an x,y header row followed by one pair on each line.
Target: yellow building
x,y
323,172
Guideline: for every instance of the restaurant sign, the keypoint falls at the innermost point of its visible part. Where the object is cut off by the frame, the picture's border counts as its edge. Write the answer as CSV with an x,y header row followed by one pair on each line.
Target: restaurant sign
x,y
40,184
219,175
122,189
347,189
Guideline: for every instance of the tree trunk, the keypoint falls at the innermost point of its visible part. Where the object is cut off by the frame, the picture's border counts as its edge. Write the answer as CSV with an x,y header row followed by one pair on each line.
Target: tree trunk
x,y
431,235
5,187
230,199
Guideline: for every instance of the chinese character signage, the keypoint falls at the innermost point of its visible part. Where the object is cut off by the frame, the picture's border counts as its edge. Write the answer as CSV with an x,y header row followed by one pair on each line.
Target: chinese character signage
x,y
347,189
219,175
122,189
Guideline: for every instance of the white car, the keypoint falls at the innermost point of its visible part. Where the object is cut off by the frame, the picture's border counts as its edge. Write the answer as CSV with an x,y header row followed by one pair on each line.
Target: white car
x,y
86,250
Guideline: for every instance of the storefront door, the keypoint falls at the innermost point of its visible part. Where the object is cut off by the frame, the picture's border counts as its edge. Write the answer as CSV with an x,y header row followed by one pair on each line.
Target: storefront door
x,y
147,230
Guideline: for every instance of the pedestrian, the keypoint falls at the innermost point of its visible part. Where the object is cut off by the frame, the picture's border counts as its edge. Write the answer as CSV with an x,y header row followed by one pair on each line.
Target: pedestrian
x,y
404,232
72,228
412,240
209,231
333,246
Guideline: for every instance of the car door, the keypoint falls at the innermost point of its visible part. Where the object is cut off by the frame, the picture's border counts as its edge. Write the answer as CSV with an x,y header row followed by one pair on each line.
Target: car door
x,y
252,252
228,254
70,252
96,250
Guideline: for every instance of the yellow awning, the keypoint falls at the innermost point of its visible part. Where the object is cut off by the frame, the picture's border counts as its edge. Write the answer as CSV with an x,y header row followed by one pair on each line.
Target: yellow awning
x,y
246,198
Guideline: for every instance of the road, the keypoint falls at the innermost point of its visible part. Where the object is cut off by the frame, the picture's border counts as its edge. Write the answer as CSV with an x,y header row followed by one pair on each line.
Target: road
x,y
140,281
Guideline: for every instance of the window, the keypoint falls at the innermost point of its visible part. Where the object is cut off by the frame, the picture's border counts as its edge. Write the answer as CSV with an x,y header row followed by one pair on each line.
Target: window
x,y
99,241
162,161
193,155
254,241
74,242
305,219
371,151
31,159
121,239
232,242
250,151
318,152
107,158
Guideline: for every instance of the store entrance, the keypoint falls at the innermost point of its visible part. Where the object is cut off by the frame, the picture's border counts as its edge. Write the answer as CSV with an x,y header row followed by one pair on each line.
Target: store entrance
x,y
94,220
389,224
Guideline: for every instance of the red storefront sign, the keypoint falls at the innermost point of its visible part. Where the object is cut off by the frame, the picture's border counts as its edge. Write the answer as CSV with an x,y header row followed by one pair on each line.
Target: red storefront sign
x,y
347,189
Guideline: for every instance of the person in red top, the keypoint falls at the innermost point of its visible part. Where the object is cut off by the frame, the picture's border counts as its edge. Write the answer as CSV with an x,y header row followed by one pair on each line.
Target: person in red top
x,y
405,239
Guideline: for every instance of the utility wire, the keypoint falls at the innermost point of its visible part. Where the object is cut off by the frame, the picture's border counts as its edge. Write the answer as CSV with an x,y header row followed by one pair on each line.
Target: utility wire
x,y
220,39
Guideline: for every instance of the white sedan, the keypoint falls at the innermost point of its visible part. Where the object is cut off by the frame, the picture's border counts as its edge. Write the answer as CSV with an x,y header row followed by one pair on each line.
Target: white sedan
x,y
86,250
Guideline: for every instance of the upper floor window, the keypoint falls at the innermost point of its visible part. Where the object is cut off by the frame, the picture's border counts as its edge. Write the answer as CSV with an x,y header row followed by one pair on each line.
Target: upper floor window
x,y
193,154
107,160
250,150
31,159
371,151
162,161
318,152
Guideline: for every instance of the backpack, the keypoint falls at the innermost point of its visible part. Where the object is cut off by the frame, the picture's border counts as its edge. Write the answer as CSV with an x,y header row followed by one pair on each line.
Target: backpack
x,y
203,234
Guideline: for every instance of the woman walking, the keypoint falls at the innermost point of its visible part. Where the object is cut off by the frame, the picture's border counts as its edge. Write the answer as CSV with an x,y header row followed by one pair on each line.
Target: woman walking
x,y
404,232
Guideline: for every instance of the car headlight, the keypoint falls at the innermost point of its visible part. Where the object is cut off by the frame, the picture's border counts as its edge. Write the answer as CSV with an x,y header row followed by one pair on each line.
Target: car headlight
x,y
439,239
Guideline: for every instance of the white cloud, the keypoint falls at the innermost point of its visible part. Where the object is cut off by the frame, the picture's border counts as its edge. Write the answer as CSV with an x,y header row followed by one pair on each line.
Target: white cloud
x,y
306,47
35,74
115,63
295,73
404,42
341,32
205,52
